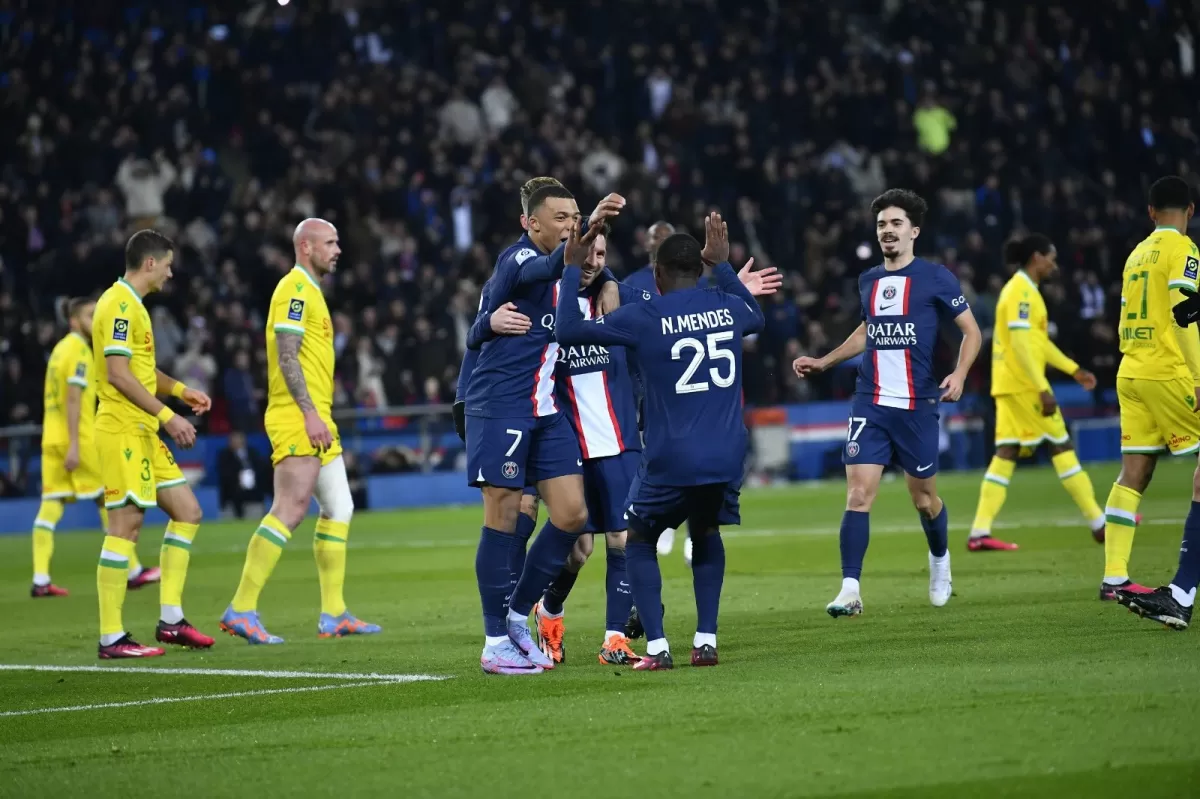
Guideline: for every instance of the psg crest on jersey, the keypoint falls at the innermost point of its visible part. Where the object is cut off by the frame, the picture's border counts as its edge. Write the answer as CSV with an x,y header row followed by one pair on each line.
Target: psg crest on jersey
x,y
889,292
852,448
509,470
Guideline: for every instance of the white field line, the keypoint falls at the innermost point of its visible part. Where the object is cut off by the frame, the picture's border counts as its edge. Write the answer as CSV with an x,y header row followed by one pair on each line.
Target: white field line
x,y
266,674
167,700
753,532
345,680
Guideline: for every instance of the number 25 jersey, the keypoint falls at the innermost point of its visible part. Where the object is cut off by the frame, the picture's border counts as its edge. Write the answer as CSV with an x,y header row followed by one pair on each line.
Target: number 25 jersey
x,y
1164,262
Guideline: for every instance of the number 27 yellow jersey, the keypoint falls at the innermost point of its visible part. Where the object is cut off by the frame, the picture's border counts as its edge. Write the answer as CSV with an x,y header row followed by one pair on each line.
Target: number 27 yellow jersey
x,y
1164,262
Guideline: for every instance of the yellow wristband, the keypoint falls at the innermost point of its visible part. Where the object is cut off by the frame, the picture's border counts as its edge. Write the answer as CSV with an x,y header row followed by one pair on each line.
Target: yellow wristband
x,y
178,389
165,415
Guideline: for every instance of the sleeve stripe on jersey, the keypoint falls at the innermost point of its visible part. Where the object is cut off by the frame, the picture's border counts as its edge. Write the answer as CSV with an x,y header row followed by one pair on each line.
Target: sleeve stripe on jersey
x,y
1018,325
282,328
118,351
77,381
1182,284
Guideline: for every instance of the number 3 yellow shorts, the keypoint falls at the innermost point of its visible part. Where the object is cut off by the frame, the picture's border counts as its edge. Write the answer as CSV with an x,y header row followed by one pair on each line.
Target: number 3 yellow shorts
x,y
288,440
1158,415
83,483
136,466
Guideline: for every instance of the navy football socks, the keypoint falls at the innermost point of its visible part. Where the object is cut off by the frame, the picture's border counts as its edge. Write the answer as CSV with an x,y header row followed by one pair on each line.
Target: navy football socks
x,y
559,590
1188,573
708,575
855,535
491,572
546,557
641,561
619,601
516,563
937,532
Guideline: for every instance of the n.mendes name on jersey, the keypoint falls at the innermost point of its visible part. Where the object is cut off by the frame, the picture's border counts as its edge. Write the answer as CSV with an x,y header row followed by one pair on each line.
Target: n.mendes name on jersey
x,y
696,322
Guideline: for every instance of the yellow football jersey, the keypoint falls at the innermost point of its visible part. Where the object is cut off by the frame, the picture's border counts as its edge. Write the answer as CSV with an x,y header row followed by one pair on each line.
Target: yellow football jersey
x,y
70,365
121,326
1163,263
1020,308
298,307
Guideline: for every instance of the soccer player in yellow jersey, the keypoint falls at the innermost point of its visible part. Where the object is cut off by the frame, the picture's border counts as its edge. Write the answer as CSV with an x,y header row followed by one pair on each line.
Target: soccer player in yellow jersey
x,y
1158,381
307,452
1027,414
139,471
70,467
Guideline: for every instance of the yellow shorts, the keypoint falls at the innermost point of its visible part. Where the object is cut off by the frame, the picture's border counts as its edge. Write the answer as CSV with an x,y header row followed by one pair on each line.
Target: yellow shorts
x,y
1158,415
83,483
288,439
136,466
1019,421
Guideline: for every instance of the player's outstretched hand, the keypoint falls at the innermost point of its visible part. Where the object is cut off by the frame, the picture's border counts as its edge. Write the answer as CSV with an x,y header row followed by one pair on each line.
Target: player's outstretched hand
x,y
317,431
805,366
181,431
609,207
1187,311
576,250
198,401
765,281
1085,378
952,387
716,240
508,321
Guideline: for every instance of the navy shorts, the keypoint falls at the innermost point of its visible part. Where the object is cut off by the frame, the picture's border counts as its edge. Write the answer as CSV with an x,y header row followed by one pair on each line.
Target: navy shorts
x,y
881,435
606,483
655,508
519,452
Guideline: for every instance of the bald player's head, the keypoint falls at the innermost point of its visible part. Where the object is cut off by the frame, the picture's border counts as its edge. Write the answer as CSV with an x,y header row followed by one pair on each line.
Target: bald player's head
x,y
656,235
316,245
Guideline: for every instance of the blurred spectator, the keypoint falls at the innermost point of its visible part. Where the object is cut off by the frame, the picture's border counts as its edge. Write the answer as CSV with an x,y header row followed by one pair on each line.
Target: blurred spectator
x,y
243,476
244,407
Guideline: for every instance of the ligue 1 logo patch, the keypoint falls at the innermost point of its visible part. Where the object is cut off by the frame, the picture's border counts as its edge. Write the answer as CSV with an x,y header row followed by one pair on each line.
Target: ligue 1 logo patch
x,y
889,292
1191,267
296,310
509,470
852,449
120,329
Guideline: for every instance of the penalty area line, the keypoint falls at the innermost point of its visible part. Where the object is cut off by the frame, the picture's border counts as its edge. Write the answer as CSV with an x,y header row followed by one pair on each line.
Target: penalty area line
x,y
168,700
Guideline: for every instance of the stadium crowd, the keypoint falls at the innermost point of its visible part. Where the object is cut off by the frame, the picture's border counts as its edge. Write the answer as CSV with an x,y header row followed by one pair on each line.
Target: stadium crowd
x,y
411,126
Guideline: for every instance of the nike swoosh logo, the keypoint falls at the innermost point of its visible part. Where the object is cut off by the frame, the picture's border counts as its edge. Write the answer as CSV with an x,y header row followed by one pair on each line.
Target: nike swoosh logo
x,y
923,468
578,463
885,307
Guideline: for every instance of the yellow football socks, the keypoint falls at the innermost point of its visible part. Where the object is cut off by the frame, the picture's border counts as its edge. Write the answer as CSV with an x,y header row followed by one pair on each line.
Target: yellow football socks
x,y
266,545
1120,523
110,585
173,560
329,548
49,514
1077,483
992,494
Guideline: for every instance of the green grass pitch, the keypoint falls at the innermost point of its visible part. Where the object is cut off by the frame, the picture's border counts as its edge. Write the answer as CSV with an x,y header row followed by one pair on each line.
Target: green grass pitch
x,y
1024,685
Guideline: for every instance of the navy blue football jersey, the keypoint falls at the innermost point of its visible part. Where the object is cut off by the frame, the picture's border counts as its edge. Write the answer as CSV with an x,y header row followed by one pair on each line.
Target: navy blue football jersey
x,y
514,375
689,347
903,310
642,279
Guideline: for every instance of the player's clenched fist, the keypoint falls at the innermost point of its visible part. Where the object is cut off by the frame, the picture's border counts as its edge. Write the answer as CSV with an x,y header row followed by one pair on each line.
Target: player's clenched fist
x,y
508,321
317,431
181,431
805,366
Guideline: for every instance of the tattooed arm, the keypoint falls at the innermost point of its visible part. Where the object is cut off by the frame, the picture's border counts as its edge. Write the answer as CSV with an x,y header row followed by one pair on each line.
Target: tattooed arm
x,y
289,367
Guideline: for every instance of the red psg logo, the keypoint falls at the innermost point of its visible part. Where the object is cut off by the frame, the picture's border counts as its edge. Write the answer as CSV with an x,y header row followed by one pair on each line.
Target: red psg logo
x,y
889,292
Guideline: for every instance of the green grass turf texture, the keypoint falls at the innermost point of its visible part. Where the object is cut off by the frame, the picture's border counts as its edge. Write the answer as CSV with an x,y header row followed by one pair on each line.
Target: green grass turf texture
x,y
1024,685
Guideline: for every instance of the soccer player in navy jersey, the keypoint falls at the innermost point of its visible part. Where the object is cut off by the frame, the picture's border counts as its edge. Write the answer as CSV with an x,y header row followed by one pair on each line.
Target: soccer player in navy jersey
x,y
517,436
689,343
894,415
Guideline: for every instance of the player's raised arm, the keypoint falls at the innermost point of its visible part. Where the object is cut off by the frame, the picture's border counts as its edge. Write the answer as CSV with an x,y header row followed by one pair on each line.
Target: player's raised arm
x,y
570,327
728,281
